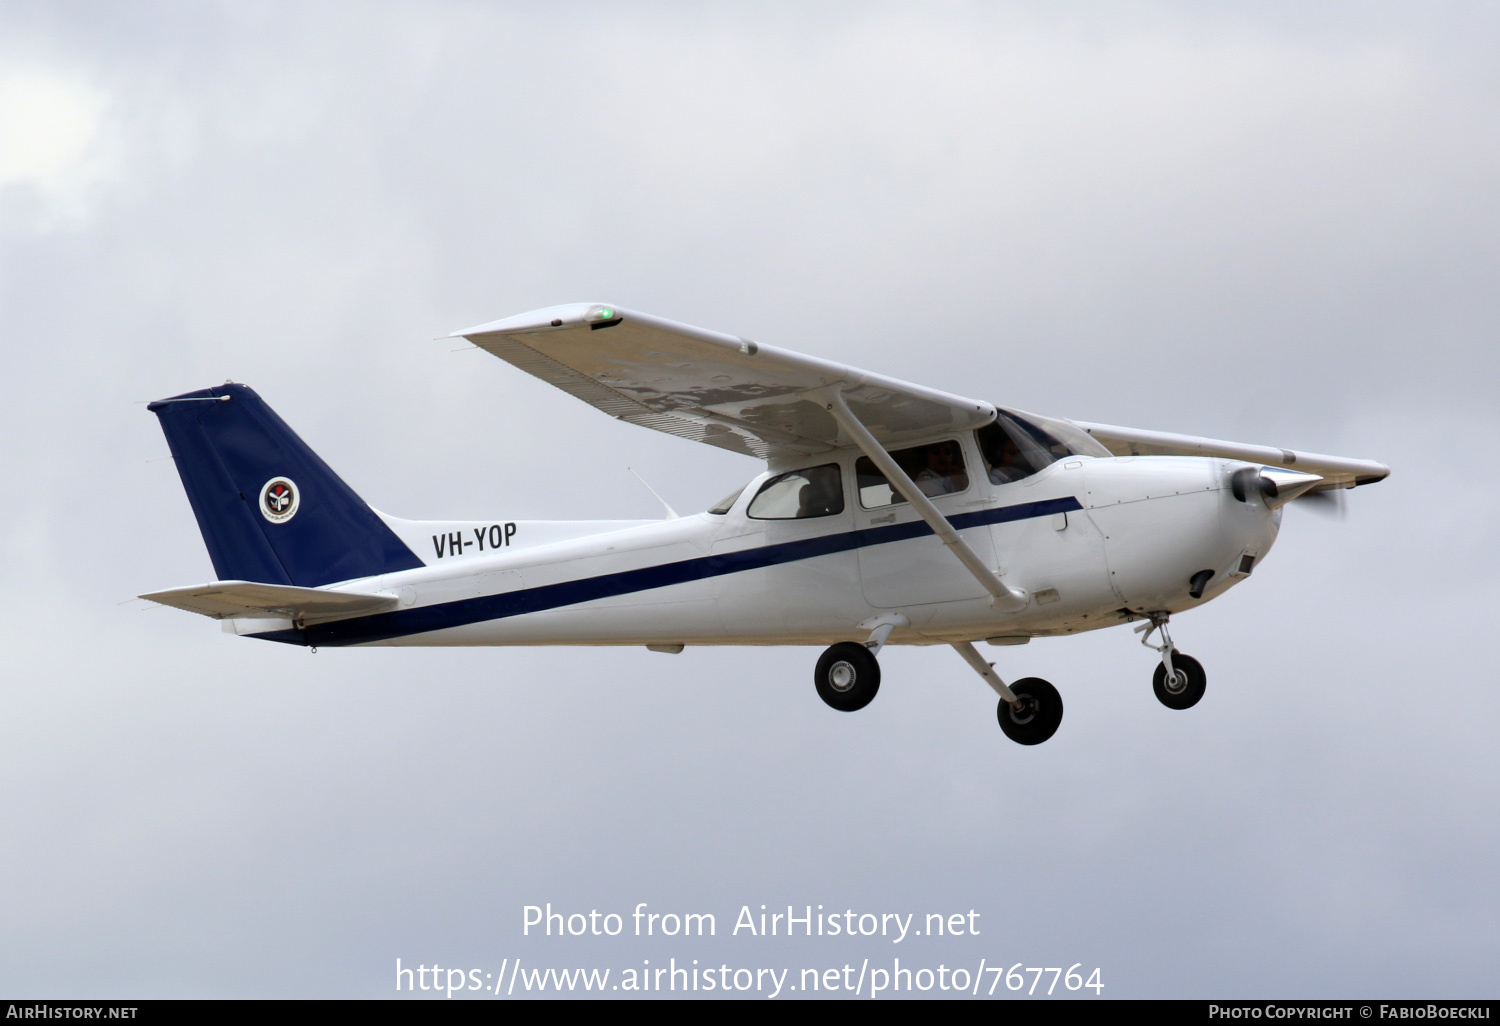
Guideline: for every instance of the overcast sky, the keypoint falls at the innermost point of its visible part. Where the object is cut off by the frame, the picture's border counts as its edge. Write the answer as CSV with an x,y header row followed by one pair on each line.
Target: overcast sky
x,y
1259,222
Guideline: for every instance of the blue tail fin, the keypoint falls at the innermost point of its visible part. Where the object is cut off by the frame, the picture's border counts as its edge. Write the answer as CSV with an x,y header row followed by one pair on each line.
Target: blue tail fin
x,y
270,510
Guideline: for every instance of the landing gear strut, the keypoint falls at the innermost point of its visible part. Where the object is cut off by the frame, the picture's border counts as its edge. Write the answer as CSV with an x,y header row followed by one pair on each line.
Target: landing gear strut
x,y
1179,681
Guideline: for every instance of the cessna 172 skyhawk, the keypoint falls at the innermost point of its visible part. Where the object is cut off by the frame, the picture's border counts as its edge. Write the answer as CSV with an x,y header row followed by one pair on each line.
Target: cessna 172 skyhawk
x,y
887,513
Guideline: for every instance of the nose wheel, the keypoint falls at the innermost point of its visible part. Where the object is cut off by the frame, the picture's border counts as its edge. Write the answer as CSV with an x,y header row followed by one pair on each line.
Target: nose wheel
x,y
1184,686
1179,681
847,676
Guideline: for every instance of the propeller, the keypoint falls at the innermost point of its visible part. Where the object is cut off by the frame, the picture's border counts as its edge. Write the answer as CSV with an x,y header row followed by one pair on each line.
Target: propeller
x,y
1329,503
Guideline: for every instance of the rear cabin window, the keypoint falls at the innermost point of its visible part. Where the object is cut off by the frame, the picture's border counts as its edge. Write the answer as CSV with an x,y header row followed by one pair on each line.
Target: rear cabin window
x,y
937,469
800,494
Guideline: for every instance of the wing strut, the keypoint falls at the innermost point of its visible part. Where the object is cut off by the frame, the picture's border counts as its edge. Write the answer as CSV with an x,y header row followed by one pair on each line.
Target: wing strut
x,y
1005,598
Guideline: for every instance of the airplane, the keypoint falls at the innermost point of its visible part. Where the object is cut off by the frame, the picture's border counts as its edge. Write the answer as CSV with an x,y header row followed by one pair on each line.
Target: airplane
x,y
887,513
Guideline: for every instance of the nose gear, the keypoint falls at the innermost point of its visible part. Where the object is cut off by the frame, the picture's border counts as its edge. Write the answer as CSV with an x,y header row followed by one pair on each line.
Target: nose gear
x,y
1179,681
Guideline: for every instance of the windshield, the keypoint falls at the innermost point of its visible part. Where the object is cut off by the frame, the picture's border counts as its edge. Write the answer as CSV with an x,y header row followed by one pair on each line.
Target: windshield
x,y
1073,440
1015,447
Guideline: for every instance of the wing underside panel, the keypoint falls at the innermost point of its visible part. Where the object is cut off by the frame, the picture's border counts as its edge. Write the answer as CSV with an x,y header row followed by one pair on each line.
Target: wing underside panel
x,y
719,389
617,404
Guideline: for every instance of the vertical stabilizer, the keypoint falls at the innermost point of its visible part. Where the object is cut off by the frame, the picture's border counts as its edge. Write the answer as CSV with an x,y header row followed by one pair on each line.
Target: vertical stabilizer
x,y
270,510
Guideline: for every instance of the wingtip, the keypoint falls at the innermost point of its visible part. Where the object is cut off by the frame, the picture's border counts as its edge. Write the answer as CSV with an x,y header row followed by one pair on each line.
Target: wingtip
x,y
537,320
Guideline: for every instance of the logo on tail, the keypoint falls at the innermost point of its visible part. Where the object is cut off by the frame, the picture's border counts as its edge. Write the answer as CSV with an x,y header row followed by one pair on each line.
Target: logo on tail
x,y
278,500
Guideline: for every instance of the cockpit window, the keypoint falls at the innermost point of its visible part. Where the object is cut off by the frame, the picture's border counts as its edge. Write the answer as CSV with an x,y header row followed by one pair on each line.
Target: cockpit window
x,y
1068,439
937,469
1016,447
726,504
800,494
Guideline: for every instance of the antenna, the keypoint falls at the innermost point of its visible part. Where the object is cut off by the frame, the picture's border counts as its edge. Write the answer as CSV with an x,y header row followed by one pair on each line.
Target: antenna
x,y
671,513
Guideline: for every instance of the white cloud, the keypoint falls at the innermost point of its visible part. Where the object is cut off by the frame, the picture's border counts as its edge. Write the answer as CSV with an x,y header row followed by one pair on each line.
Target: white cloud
x,y
52,147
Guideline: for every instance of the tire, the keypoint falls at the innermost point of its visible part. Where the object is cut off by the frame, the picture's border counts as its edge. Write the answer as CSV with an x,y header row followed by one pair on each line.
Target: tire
x,y
1189,687
1043,718
847,676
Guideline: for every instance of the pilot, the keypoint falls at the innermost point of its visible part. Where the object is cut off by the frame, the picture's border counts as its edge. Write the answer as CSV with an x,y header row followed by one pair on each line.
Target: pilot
x,y
1006,462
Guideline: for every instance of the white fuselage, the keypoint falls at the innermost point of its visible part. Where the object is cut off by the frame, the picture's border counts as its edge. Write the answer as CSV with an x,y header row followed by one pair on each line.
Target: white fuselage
x,y
1092,541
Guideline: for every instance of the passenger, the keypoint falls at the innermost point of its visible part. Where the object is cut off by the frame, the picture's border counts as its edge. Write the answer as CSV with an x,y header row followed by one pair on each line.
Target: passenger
x,y
820,497
941,475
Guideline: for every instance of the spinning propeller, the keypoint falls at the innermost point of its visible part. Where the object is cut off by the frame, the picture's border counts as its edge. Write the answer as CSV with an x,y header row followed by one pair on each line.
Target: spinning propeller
x,y
1328,503
1279,487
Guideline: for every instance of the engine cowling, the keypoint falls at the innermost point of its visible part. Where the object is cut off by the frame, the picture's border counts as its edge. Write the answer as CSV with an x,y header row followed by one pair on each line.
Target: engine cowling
x,y
1168,519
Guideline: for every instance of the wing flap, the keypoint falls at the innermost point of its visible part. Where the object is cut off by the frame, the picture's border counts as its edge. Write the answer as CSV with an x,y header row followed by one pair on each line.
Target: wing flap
x,y
1336,471
250,600
713,388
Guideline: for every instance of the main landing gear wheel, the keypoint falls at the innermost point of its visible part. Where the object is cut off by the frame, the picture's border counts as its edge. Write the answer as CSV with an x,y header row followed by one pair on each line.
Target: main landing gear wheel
x,y
1041,712
847,676
1186,685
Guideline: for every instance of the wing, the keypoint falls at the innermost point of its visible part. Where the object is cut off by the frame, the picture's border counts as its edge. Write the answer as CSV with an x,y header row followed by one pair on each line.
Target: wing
x,y
1336,471
720,389
269,601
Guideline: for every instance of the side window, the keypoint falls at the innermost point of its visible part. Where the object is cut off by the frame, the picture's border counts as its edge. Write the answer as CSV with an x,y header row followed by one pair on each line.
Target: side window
x,y
937,469
814,492
1003,456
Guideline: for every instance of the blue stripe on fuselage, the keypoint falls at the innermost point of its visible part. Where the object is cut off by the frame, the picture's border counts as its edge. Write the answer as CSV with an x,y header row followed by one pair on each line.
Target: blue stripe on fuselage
x,y
402,622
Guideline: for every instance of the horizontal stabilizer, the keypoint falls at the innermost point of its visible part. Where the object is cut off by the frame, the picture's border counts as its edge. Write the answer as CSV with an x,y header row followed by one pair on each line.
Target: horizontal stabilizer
x,y
222,599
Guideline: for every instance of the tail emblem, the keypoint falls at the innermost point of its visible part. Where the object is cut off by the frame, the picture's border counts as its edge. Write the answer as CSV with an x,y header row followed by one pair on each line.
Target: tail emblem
x,y
278,500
